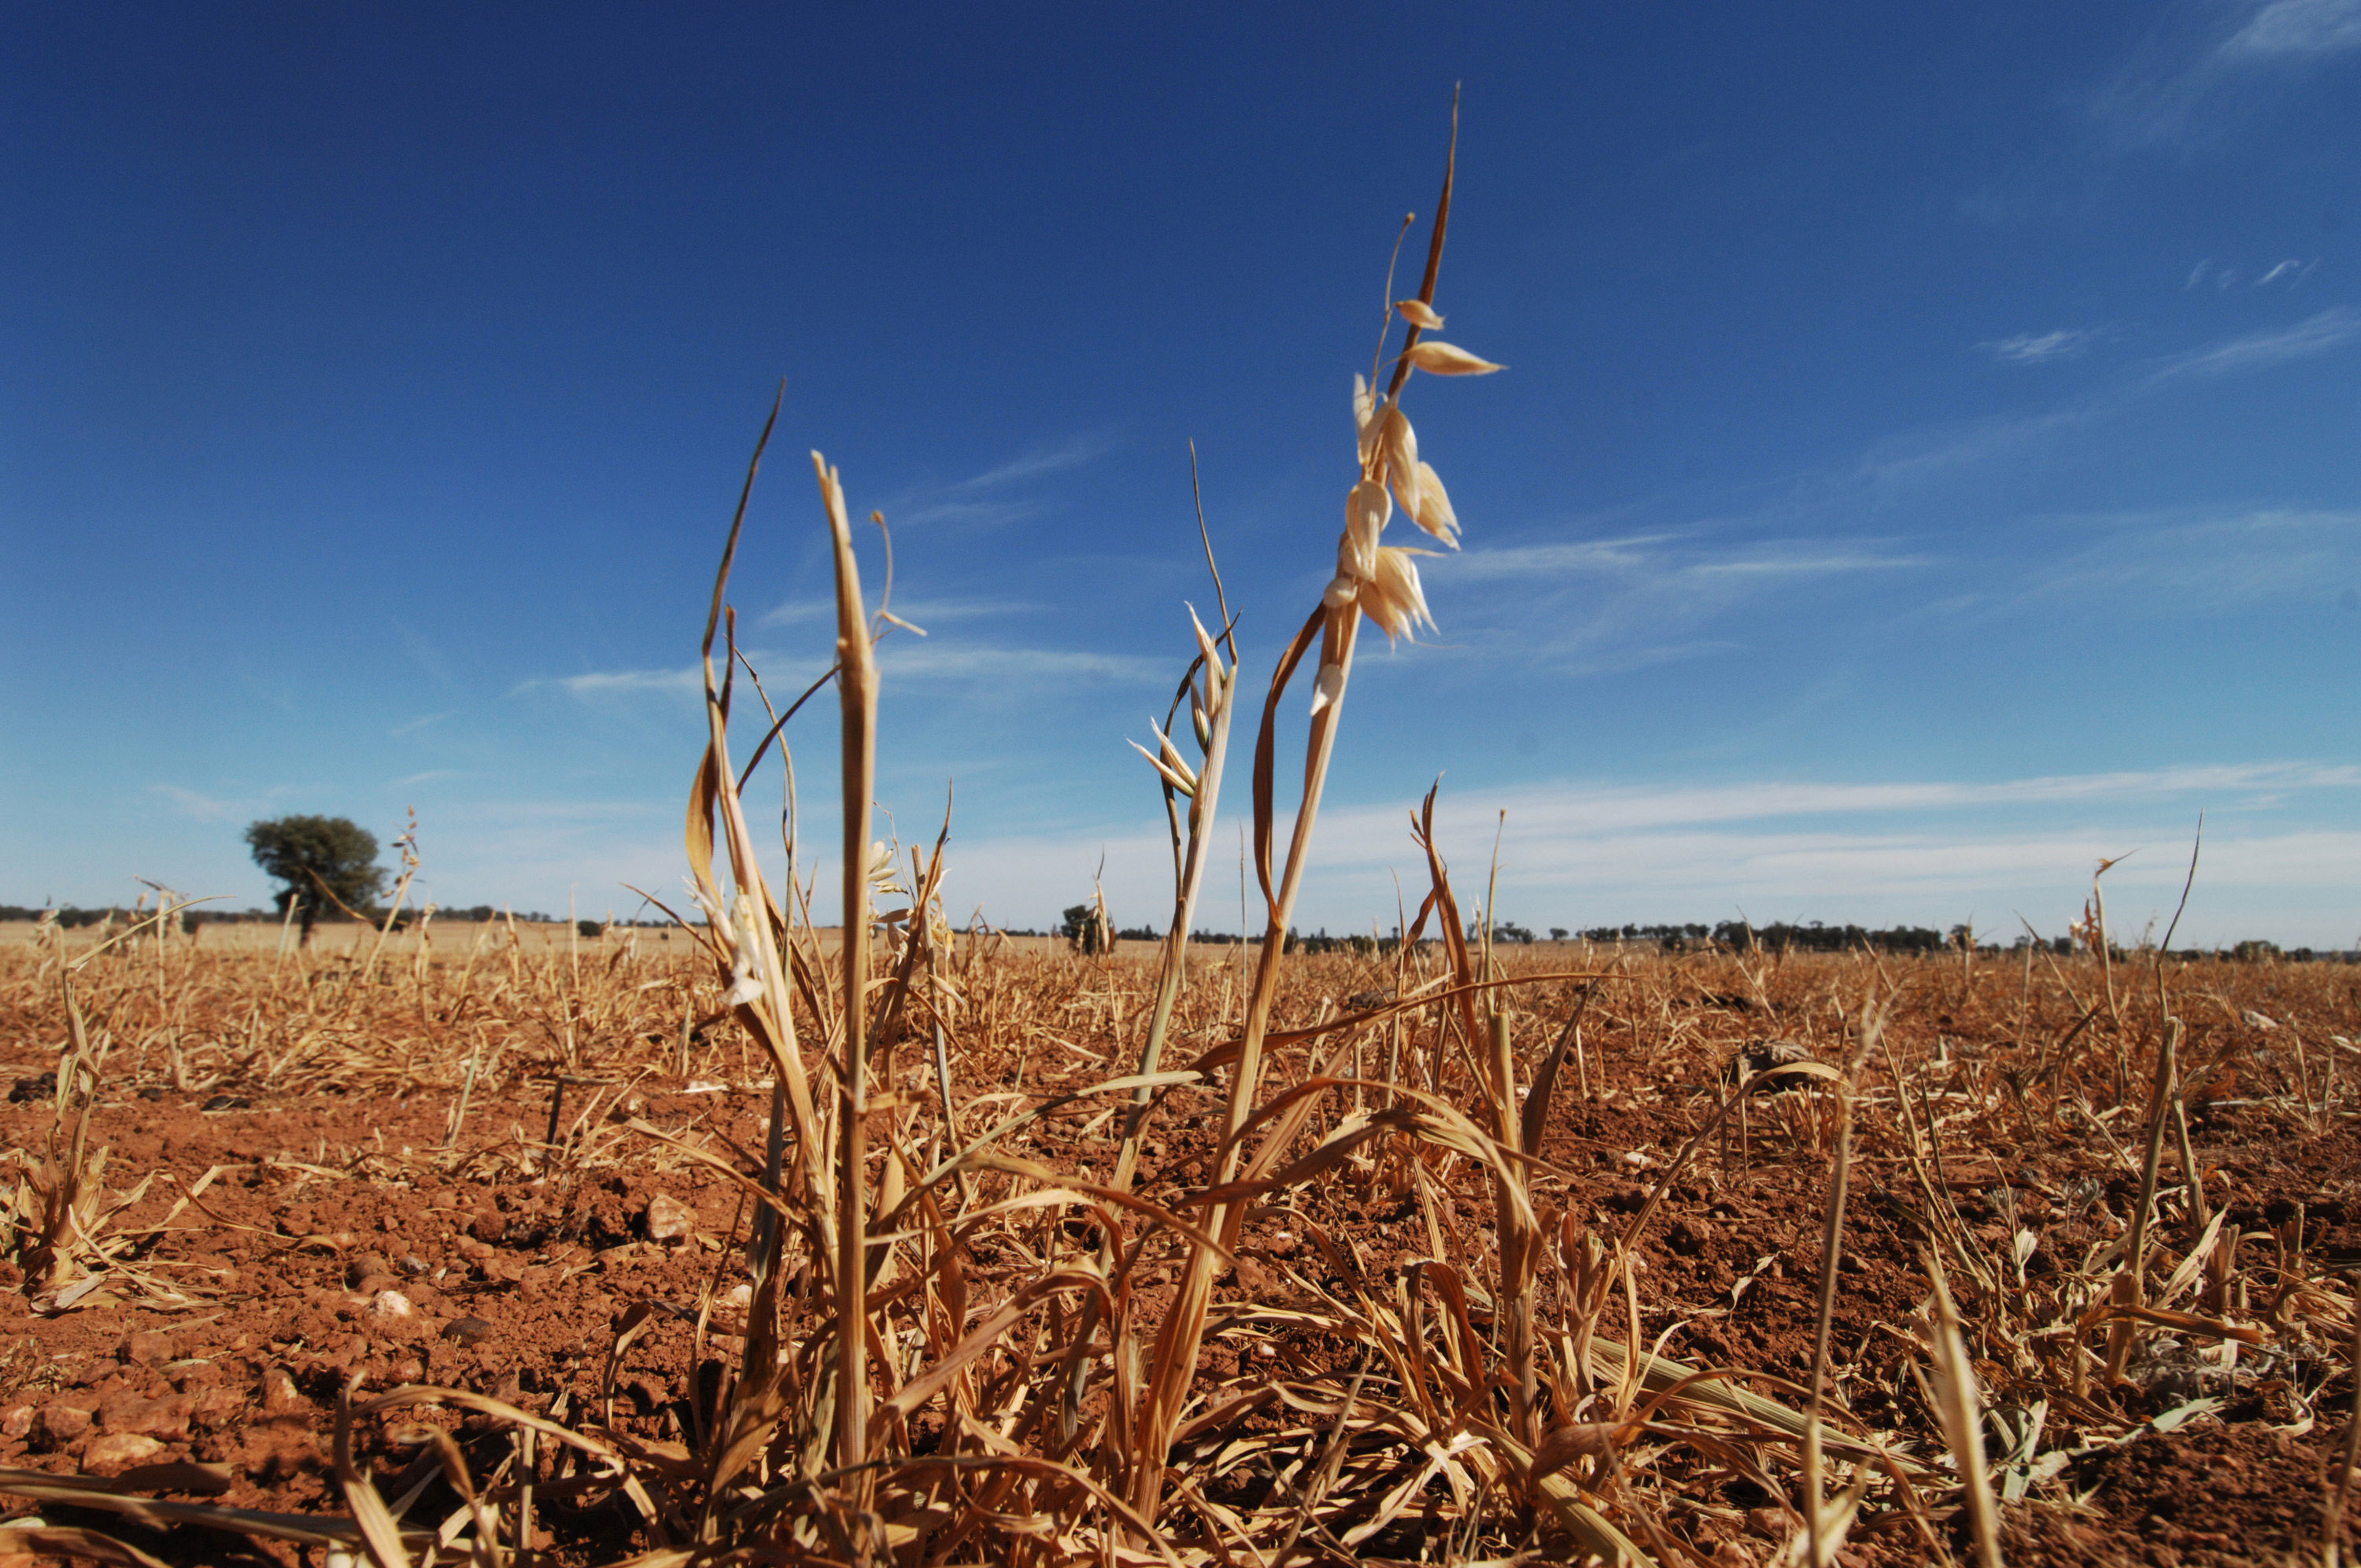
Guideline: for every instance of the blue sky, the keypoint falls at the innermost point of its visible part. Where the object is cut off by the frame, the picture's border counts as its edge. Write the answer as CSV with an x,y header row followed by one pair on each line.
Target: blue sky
x,y
1931,458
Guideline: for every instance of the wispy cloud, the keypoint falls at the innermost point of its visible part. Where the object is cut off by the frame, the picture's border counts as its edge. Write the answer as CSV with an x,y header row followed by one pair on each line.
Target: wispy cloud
x,y
2303,30
1805,562
422,722
2178,562
2330,329
919,612
984,499
931,660
1609,605
1924,852
1919,457
190,803
1683,554
1545,561
2040,348
432,775
1056,458
1574,808
617,682
937,661
2207,65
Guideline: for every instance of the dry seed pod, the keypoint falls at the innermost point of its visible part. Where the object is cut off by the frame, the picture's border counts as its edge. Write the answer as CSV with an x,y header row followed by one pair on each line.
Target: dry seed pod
x,y
1367,509
1183,782
1393,597
1419,314
1432,510
1448,359
1329,687
1170,754
746,962
1214,670
1342,590
1402,454
1373,431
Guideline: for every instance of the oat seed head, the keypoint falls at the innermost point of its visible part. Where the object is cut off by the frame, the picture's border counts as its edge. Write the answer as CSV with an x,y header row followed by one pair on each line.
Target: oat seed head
x,y
1447,359
1393,597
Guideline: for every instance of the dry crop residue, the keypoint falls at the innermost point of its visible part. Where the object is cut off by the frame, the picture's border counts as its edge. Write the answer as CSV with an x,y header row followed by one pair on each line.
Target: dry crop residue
x,y
318,1223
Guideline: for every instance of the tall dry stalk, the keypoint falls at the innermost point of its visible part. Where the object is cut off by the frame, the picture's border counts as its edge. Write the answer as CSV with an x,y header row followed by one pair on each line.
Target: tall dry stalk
x,y
1382,583
1821,1539
1210,690
856,677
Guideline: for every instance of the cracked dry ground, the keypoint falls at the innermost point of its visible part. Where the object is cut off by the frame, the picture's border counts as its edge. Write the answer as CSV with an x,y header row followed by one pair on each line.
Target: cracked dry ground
x,y
320,1238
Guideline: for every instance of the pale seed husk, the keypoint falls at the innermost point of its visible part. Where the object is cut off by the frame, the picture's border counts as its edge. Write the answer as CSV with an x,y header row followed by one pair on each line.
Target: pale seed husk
x,y
1401,455
1419,314
1373,433
1438,358
1433,512
1393,597
1367,509
1183,781
1329,687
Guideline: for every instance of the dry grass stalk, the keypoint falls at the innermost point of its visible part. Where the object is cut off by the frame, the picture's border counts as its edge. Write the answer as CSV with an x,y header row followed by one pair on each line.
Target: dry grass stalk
x,y
1821,1534
1209,687
856,663
1382,583
2340,1488
1962,1413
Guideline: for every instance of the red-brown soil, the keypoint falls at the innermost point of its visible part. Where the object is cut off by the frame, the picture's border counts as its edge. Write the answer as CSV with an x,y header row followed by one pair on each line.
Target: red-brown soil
x,y
322,1238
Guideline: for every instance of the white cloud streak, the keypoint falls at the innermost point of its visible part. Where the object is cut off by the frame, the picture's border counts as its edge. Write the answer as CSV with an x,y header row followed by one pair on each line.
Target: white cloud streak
x,y
980,500
2330,330
191,803
2173,564
2195,79
2040,348
1931,850
901,657
2303,29
919,612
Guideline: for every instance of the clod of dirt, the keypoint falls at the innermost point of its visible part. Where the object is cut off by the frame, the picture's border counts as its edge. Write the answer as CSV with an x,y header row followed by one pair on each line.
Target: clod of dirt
x,y
667,1219
118,1450
369,1266
149,1347
167,1417
1689,1236
468,1331
61,1423
1762,1056
280,1394
487,1227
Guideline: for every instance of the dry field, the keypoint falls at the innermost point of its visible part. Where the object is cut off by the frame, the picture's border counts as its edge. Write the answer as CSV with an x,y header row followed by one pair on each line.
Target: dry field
x,y
284,1155
896,1243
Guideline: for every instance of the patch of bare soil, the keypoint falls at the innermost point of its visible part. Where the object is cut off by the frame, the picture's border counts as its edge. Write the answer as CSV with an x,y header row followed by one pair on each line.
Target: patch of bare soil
x,y
293,1213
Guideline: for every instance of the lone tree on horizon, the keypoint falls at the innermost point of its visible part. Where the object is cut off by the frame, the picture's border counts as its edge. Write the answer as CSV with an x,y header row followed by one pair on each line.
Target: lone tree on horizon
x,y
317,858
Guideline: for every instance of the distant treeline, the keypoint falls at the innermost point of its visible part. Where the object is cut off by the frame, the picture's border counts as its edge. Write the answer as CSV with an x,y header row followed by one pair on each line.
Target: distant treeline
x,y
1811,938
1736,936
73,916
